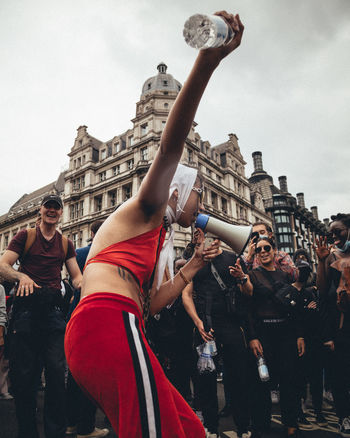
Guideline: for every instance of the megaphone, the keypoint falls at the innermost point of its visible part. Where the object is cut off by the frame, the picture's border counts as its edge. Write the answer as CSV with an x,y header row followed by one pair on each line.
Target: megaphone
x,y
235,236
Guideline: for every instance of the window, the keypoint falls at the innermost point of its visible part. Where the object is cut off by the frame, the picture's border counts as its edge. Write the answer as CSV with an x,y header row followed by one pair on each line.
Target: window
x,y
224,205
6,241
78,183
79,162
219,179
126,192
75,239
130,164
84,159
190,155
116,170
112,198
144,129
102,176
163,124
214,199
116,147
103,154
280,218
76,210
208,172
131,140
166,105
144,154
109,149
98,203
165,83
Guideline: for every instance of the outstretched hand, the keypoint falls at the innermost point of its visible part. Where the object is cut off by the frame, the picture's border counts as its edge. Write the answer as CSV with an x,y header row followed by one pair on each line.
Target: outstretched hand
x,y
322,248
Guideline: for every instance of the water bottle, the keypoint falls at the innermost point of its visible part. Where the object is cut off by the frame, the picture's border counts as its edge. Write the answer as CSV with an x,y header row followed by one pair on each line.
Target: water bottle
x,y
212,348
263,370
205,362
207,31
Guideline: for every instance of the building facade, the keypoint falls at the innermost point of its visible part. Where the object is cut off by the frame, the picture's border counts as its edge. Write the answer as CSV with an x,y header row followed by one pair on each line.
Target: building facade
x,y
294,225
103,174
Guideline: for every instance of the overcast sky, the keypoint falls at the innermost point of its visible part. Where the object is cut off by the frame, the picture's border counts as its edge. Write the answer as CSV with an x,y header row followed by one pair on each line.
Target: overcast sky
x,y
284,92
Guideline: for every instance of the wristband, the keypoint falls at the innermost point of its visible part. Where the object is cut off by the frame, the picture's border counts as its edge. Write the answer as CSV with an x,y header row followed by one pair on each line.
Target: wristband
x,y
182,275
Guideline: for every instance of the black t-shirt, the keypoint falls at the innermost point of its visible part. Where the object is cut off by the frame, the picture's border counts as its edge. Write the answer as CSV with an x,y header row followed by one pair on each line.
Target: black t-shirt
x,y
263,301
204,282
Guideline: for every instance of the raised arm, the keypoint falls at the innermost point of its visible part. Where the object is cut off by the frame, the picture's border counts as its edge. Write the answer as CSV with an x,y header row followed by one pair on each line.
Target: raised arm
x,y
154,191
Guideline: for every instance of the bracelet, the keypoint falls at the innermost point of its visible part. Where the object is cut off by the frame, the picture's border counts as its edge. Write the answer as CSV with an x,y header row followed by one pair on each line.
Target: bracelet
x,y
182,275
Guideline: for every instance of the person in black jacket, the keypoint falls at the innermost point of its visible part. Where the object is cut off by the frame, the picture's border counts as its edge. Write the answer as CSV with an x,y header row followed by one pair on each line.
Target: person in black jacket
x,y
311,365
275,334
217,314
333,281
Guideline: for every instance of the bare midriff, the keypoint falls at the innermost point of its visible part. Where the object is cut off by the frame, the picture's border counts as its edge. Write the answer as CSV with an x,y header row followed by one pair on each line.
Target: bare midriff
x,y
104,277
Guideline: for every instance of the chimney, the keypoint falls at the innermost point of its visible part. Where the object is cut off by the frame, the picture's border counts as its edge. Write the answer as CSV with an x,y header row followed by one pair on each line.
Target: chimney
x,y
300,199
257,160
283,184
314,212
326,221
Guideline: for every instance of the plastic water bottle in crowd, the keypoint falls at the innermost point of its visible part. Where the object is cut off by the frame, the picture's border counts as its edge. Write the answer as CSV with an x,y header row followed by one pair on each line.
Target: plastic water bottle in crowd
x,y
205,362
207,31
212,348
262,369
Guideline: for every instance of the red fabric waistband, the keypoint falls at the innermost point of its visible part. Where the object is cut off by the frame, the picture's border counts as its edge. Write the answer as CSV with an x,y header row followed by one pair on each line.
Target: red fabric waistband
x,y
101,299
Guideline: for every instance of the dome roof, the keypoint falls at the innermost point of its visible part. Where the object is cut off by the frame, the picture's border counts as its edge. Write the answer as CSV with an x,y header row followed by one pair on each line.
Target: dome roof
x,y
162,82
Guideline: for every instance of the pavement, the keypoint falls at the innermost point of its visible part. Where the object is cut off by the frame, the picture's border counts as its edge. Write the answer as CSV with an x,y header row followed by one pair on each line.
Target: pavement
x,y
8,427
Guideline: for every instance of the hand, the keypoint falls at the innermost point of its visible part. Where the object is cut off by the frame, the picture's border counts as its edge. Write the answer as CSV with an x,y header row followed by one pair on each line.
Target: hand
x,y
251,250
301,346
256,347
237,271
221,52
25,286
312,305
322,248
330,345
206,336
200,252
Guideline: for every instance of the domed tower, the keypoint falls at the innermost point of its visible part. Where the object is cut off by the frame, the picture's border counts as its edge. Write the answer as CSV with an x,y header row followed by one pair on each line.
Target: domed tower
x,y
163,83
158,95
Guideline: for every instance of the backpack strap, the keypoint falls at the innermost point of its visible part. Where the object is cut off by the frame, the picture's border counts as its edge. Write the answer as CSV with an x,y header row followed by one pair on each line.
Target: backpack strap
x,y
30,239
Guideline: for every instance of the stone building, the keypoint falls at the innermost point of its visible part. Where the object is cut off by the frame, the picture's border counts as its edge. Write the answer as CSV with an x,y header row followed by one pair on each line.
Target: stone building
x,y
103,174
294,225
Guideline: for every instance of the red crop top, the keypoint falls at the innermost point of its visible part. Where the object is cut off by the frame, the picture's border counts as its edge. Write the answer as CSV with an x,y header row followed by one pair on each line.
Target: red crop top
x,y
139,255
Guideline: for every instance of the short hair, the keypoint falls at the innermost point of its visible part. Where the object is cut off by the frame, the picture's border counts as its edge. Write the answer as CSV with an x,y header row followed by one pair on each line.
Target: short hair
x,y
343,218
269,239
267,226
96,225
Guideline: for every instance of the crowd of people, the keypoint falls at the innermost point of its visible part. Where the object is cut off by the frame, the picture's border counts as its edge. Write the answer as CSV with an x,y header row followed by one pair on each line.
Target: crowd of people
x,y
117,336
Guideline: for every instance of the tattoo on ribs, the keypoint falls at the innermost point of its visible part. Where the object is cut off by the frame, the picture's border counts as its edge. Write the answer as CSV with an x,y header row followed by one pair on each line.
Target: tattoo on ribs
x,y
124,274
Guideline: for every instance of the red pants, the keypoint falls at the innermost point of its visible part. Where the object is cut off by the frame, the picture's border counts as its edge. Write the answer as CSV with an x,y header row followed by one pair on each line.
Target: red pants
x,y
110,359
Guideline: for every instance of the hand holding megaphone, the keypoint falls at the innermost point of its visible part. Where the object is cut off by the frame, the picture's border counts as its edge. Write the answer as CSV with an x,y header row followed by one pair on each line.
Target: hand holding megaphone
x,y
236,236
208,253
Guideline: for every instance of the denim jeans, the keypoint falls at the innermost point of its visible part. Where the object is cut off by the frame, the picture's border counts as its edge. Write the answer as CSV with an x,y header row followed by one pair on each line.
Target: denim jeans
x,y
36,340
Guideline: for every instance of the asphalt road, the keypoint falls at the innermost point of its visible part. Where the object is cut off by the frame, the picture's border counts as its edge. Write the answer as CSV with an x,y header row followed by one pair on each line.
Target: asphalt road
x,y
8,428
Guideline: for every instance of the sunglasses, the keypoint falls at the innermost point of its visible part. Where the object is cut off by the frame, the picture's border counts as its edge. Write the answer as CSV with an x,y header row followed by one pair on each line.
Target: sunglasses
x,y
267,248
200,192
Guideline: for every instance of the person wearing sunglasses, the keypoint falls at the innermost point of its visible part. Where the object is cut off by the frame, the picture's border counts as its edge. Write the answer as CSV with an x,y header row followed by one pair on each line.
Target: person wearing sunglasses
x,y
274,333
333,281
282,260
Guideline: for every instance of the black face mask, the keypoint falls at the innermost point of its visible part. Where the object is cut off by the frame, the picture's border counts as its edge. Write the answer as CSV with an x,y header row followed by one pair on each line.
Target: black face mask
x,y
304,273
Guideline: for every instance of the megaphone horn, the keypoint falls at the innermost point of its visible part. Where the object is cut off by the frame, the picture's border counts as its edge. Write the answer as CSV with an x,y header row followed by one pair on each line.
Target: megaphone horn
x,y
235,236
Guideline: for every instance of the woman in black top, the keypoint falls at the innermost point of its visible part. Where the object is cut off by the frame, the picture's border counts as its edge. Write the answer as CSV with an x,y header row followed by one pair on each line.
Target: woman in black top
x,y
274,333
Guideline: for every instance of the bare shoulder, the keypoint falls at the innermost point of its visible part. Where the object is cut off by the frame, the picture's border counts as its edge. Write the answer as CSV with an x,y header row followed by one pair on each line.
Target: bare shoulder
x,y
128,221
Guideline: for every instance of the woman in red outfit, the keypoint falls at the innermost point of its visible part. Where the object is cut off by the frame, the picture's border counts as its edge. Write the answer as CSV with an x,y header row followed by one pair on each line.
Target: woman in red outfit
x,y
106,349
